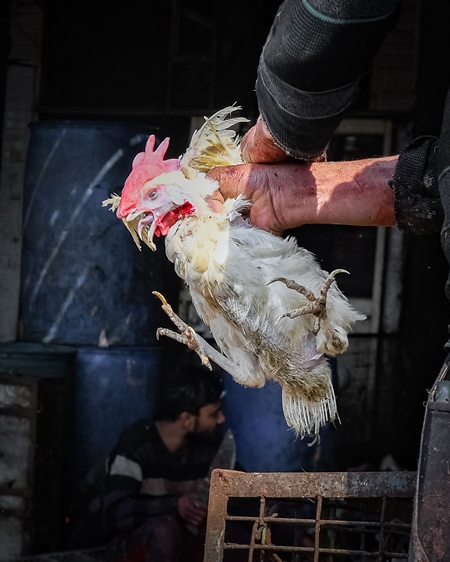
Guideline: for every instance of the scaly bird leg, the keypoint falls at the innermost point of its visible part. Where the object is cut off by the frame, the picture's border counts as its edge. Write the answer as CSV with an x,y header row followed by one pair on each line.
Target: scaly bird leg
x,y
189,337
317,305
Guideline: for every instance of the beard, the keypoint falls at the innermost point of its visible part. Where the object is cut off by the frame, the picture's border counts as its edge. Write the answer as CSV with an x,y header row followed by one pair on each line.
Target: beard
x,y
202,436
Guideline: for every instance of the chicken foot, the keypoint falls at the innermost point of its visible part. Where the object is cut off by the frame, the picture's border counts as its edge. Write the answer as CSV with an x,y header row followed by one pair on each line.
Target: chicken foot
x,y
188,336
317,306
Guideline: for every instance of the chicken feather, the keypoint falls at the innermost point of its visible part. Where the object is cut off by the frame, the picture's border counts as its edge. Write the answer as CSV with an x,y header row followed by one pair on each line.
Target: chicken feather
x,y
274,313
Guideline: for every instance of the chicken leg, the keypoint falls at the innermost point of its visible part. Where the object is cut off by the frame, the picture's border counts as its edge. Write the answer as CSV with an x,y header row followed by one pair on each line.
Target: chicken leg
x,y
188,336
317,306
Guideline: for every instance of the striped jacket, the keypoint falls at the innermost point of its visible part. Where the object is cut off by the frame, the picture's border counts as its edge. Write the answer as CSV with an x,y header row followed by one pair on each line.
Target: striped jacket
x,y
144,479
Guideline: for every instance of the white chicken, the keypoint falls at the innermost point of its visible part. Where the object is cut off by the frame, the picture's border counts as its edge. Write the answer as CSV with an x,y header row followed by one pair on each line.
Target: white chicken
x,y
272,310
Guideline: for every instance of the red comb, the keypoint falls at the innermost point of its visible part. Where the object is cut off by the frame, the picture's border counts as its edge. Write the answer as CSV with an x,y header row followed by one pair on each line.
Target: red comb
x,y
146,166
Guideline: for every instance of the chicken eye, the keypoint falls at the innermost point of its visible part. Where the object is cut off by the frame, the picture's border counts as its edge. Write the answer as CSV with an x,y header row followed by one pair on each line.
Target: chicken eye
x,y
153,194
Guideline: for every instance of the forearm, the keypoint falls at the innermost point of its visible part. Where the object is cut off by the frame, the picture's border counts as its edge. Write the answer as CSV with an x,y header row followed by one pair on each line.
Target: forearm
x,y
286,196
392,190
352,193
124,512
397,190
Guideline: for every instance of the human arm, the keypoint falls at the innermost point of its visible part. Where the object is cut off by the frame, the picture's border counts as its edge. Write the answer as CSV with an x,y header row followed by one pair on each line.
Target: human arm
x,y
308,75
305,82
125,508
286,196
389,191
143,480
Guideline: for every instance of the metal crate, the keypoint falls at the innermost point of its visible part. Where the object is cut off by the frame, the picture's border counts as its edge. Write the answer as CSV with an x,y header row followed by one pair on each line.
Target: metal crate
x,y
310,517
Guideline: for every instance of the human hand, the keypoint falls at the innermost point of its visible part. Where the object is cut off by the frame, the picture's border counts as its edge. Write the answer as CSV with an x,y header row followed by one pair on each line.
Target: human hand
x,y
192,510
275,192
258,146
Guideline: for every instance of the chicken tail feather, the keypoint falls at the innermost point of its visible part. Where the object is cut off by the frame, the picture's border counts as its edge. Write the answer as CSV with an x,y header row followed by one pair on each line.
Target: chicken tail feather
x,y
306,417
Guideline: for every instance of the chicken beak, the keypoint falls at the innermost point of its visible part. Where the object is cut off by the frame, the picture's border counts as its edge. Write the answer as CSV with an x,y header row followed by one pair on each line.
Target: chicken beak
x,y
136,223
132,227
141,228
129,221
147,227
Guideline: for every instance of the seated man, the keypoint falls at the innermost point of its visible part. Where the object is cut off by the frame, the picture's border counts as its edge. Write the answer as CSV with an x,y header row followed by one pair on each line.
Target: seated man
x,y
150,509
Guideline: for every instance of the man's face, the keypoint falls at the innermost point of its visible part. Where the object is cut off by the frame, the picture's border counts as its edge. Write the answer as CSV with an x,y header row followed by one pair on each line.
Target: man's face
x,y
209,417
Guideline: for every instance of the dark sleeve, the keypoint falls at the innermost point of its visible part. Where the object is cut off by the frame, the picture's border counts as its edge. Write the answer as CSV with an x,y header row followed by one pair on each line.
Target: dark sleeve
x,y
443,170
311,65
125,508
417,204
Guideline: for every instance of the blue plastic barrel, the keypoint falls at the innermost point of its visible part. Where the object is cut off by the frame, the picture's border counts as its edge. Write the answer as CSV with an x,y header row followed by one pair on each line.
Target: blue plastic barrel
x,y
84,281
264,442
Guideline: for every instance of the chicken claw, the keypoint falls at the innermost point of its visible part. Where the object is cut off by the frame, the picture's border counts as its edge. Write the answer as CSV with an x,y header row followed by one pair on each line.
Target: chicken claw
x,y
317,305
189,337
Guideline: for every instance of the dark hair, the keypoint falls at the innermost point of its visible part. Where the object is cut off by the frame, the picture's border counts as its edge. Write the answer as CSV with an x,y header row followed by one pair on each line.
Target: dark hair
x,y
187,390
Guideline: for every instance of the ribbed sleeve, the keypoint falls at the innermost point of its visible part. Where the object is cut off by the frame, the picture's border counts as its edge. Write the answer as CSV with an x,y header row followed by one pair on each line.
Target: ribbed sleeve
x,y
311,65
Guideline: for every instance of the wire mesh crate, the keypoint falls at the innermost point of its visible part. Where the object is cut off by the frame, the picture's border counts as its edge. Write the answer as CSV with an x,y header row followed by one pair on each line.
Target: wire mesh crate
x,y
309,517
